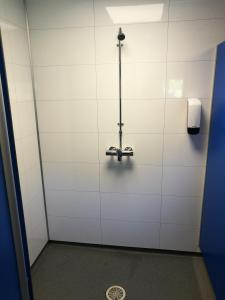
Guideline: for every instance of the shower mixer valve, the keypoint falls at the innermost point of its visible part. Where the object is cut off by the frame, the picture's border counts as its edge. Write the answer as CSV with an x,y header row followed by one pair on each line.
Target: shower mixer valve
x,y
113,151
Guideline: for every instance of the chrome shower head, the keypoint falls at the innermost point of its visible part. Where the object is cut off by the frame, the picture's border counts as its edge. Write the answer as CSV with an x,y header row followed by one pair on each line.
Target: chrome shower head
x,y
121,35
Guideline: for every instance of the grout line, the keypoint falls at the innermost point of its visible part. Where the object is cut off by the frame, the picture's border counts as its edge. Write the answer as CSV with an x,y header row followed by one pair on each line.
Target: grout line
x,y
111,193
108,219
106,132
105,100
98,126
102,132
202,134
70,162
69,190
67,132
196,20
164,122
114,63
123,193
138,165
64,65
196,226
149,194
120,24
74,217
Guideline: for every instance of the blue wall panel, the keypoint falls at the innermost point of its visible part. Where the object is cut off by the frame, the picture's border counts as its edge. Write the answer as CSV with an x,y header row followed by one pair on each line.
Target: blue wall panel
x,y
212,241
9,282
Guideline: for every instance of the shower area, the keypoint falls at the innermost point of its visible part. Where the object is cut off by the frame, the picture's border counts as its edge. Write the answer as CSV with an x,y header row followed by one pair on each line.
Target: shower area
x,y
109,174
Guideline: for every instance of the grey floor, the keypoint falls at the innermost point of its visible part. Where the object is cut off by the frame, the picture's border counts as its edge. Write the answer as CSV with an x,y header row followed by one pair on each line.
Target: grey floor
x,y
84,273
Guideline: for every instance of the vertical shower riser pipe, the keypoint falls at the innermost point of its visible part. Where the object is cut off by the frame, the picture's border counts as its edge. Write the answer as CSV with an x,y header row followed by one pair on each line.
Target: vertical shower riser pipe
x,y
120,124
119,151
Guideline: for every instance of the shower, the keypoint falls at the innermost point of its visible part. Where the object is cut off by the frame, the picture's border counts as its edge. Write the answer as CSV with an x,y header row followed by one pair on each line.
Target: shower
x,y
134,83
114,151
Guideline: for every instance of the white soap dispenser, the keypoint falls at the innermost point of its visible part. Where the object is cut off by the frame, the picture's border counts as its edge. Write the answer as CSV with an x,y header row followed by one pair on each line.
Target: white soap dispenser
x,y
194,108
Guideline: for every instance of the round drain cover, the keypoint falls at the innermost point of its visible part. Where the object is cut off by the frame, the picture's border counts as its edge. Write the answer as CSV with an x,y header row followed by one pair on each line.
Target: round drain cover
x,y
115,292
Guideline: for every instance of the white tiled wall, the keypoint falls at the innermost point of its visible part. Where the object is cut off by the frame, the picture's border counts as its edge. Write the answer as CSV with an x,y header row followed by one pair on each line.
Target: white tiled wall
x,y
15,43
154,199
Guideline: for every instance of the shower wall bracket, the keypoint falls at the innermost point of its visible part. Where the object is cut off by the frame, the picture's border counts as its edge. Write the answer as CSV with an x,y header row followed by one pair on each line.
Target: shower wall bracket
x,y
119,151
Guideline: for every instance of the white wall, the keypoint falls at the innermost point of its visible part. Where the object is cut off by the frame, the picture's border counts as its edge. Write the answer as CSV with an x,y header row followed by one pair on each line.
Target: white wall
x,y
154,200
15,43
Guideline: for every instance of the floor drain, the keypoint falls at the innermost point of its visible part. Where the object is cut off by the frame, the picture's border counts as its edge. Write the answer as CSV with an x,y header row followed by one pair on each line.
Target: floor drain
x,y
115,293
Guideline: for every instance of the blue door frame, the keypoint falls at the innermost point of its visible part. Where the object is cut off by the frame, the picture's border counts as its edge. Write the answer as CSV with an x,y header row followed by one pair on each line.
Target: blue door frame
x,y
9,281
15,275
212,241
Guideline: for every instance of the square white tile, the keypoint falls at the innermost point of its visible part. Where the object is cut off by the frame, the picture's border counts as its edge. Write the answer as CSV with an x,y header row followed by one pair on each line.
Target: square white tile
x,y
79,177
144,116
190,79
144,81
107,81
179,237
66,46
127,177
27,118
77,230
181,210
196,40
23,83
18,43
30,152
65,82
60,14
67,116
130,234
130,207
194,10
69,147
185,149
33,182
15,111
108,115
183,181
23,119
73,204
10,73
